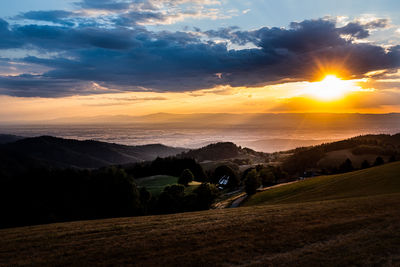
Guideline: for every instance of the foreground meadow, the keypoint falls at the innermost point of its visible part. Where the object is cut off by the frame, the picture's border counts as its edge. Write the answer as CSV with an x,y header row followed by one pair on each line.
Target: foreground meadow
x,y
351,230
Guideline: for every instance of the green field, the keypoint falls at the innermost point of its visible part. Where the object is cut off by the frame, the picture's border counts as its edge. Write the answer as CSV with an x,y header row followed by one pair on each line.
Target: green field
x,y
384,179
343,220
155,184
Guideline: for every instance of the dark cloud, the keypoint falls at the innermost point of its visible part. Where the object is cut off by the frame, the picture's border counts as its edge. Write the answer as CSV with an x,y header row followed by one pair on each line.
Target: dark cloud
x,y
55,16
355,30
136,17
8,39
104,4
132,59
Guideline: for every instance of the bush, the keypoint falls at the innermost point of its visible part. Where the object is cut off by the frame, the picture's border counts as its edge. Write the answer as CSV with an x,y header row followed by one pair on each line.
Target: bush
x,y
171,199
186,177
346,166
365,164
267,177
226,170
379,161
205,196
252,182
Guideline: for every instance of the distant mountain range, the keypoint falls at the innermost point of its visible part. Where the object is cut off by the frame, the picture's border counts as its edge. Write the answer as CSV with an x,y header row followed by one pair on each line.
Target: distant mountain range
x,y
59,152
256,120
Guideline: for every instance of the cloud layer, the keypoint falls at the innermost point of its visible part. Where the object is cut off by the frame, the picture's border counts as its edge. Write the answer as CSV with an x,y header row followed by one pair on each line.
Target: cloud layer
x,y
83,55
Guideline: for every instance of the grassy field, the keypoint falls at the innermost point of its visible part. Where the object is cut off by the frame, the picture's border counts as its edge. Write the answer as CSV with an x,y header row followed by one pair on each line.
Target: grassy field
x,y
384,179
155,184
342,220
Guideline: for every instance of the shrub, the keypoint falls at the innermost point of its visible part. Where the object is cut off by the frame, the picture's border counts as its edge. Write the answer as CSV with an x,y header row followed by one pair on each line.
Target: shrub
x,y
226,170
205,195
186,177
267,177
379,161
365,164
252,182
346,166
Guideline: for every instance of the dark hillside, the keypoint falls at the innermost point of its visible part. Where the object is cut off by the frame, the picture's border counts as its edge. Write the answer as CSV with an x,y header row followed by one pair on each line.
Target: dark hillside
x,y
84,154
9,138
222,151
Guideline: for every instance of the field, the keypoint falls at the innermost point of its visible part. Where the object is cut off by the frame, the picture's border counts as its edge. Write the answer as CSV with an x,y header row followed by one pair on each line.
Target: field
x,y
384,179
324,223
335,158
155,184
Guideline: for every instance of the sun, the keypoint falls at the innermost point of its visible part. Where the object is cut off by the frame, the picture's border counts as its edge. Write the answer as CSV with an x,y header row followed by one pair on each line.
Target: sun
x,y
330,88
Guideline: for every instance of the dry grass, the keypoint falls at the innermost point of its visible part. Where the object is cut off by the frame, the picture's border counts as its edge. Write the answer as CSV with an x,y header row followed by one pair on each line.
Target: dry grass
x,y
361,231
384,179
350,219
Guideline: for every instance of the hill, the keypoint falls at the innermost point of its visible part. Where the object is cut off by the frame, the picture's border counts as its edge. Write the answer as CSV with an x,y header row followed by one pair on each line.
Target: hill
x,y
379,180
223,151
9,138
61,152
328,157
348,219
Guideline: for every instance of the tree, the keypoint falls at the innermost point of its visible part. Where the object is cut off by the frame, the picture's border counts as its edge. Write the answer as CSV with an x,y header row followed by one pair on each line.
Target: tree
x,y
205,195
186,177
252,182
171,199
223,170
346,166
365,164
267,177
379,161
145,197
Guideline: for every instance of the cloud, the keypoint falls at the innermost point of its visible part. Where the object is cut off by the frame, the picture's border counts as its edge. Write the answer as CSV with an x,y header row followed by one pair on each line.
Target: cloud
x,y
105,4
152,12
55,16
136,59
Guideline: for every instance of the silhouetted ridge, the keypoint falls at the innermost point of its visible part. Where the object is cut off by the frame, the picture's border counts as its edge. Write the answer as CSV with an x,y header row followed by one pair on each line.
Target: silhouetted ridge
x,y
61,152
220,151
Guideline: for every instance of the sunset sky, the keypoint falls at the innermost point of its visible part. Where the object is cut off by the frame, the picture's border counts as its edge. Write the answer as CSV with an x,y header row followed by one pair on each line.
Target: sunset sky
x,y
135,57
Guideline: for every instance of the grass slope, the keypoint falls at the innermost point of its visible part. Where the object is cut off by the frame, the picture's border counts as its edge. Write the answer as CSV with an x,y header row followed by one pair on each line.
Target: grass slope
x,y
354,220
347,232
155,184
384,179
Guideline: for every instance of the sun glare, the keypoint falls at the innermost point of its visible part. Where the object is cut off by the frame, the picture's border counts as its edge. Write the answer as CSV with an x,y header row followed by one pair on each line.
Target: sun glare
x,y
330,88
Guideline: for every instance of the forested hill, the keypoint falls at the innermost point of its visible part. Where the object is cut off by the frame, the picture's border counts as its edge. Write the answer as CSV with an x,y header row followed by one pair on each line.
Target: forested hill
x,y
222,151
59,152
9,138
360,150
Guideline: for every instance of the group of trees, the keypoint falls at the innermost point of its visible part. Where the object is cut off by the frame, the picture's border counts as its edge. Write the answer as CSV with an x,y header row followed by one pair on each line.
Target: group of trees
x,y
305,158
44,195
174,199
261,176
51,195
173,166
347,165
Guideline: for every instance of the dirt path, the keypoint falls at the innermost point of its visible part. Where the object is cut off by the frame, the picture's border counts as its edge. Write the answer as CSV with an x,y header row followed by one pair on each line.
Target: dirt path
x,y
239,199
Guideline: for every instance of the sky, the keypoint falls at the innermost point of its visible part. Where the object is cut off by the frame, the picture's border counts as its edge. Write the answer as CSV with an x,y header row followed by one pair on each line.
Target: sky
x,y
134,57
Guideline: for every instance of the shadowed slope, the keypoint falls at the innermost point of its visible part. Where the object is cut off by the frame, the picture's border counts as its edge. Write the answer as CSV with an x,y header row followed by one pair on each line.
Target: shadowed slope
x,y
358,231
360,228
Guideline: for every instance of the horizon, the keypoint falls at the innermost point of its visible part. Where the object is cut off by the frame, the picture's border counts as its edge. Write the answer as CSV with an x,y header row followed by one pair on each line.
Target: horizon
x,y
60,119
